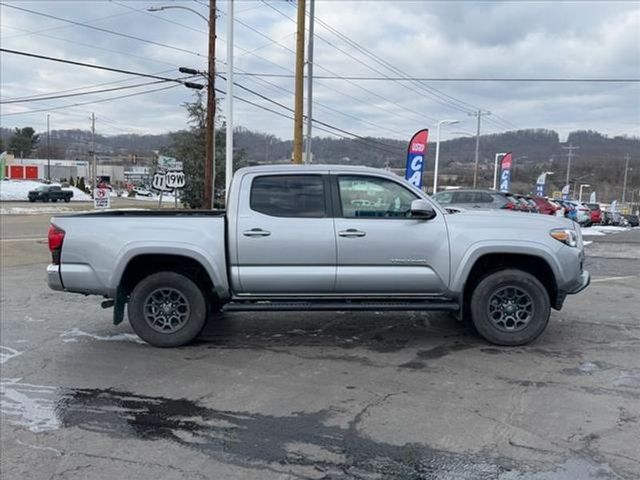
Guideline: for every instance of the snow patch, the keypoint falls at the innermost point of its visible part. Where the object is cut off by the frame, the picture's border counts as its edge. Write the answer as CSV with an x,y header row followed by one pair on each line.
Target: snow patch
x,y
7,353
34,210
29,406
599,230
75,333
12,190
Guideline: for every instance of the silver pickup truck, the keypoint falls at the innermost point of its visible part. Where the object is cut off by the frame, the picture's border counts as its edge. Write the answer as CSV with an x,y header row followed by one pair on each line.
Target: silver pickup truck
x,y
320,237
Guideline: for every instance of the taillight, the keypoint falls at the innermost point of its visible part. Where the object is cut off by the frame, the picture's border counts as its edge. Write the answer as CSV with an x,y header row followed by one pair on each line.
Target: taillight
x,y
56,236
508,206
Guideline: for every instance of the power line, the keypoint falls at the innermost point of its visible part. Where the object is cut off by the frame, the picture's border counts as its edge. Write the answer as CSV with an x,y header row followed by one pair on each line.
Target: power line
x,y
92,102
78,94
104,30
455,79
324,124
74,42
37,95
324,106
331,72
89,65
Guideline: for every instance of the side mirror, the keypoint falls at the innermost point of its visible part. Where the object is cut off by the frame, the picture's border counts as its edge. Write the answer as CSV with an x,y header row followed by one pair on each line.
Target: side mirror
x,y
421,209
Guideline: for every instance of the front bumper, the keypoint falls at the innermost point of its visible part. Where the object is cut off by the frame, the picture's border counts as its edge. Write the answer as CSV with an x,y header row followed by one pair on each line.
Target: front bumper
x,y
53,277
584,281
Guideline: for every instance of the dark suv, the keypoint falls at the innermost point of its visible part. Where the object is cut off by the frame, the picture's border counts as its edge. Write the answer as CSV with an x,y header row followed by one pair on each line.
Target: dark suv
x,y
475,199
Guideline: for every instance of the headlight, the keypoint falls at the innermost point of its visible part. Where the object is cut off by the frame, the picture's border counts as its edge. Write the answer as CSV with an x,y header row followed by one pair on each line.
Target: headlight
x,y
565,235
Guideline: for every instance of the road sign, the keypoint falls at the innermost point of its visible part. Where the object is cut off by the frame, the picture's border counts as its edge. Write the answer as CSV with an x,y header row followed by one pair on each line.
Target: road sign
x,y
102,198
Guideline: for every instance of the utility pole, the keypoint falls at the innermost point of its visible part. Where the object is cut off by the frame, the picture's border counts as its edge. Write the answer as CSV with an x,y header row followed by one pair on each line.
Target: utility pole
x,y
228,164
479,115
210,160
570,150
624,183
312,10
299,85
48,150
93,152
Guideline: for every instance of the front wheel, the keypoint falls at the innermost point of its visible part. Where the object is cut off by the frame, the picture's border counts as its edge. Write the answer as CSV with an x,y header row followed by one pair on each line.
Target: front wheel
x,y
510,307
67,200
167,309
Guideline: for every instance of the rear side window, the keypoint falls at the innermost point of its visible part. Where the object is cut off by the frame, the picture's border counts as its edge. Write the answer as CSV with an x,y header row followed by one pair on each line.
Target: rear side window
x,y
472,197
443,198
289,196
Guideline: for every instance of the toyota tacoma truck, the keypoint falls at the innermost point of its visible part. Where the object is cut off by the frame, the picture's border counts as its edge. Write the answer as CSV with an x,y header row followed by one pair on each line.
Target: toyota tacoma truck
x,y
313,237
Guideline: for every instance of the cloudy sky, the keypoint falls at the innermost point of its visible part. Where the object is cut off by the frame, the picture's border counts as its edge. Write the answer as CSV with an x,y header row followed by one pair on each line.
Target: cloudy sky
x,y
425,39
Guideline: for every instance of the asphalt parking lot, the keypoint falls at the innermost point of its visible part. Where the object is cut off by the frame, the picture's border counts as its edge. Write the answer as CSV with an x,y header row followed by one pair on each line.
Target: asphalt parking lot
x,y
323,395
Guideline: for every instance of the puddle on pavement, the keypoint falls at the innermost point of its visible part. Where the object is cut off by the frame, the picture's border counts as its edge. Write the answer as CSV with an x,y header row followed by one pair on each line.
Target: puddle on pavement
x,y
252,440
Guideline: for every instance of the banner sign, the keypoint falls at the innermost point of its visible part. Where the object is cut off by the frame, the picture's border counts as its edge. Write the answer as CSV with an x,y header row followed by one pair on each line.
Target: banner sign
x,y
3,160
101,198
592,197
540,184
415,157
565,191
505,176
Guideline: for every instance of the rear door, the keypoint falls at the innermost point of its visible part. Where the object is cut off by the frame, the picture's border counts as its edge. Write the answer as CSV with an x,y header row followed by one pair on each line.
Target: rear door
x,y
381,249
285,236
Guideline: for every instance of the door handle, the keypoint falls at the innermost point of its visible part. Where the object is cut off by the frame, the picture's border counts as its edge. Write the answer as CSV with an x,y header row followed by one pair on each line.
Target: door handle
x,y
351,232
256,232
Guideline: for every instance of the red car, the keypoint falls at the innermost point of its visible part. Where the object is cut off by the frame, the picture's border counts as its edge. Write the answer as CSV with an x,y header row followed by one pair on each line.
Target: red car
x,y
595,212
544,206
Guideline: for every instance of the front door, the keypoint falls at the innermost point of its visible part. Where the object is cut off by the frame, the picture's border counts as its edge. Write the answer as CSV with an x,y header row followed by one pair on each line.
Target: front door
x,y
285,237
381,249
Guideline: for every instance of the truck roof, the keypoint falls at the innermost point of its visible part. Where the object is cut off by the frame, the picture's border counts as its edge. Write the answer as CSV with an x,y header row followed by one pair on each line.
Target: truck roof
x,y
312,168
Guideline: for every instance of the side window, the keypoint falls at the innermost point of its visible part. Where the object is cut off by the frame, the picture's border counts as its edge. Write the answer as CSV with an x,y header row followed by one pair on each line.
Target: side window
x,y
289,196
443,198
373,197
484,197
464,197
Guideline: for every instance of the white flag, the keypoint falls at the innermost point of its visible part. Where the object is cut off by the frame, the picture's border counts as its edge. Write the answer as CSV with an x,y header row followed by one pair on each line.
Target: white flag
x,y
592,198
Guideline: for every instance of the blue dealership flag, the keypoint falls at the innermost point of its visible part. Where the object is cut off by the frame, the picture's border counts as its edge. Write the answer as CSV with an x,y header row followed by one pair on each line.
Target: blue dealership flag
x,y
415,157
505,176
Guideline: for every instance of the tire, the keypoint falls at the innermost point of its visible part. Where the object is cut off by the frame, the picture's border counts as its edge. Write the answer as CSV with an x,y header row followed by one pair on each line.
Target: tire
x,y
54,200
152,294
492,311
32,200
67,200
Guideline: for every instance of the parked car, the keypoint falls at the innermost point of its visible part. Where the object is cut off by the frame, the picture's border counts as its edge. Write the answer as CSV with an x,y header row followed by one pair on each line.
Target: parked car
x,y
143,192
292,239
49,193
466,199
525,206
583,217
595,212
633,220
532,204
560,209
612,218
544,206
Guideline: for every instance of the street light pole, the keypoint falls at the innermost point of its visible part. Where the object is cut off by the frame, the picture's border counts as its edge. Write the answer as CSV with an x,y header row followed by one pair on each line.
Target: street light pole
x,y
582,185
624,183
478,114
437,160
228,169
49,150
495,169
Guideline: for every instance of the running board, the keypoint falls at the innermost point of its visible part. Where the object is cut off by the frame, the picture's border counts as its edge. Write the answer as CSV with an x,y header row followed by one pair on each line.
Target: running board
x,y
333,306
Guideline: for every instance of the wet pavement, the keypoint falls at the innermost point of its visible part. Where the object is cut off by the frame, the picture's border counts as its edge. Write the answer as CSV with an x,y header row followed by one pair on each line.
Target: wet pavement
x,y
320,395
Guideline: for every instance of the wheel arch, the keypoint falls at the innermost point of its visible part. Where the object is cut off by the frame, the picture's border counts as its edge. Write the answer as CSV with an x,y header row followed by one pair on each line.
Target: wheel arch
x,y
488,263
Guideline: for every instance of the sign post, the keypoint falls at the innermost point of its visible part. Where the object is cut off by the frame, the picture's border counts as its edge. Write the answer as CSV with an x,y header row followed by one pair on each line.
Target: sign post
x,y
101,198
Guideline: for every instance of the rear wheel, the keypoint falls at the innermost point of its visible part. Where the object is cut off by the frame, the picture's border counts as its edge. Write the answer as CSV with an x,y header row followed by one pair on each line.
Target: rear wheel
x,y
67,200
167,309
510,307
